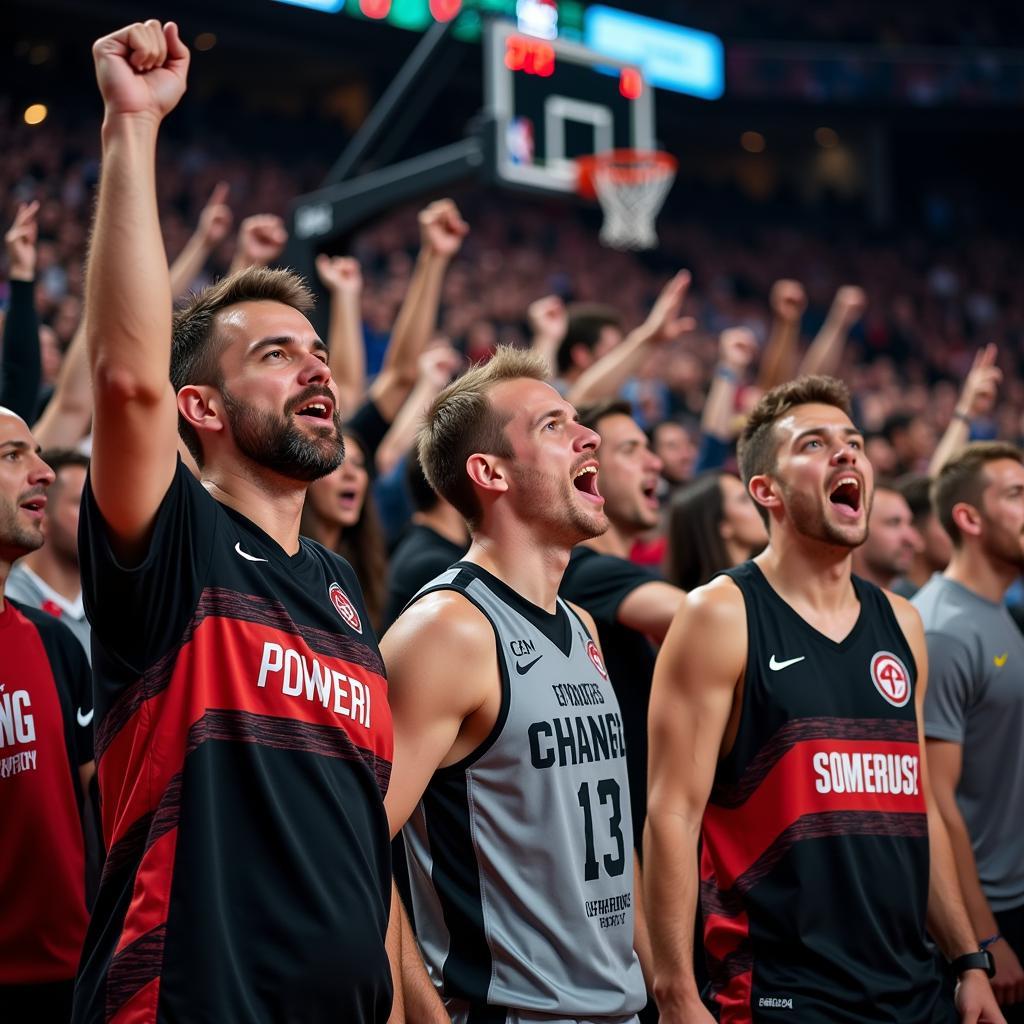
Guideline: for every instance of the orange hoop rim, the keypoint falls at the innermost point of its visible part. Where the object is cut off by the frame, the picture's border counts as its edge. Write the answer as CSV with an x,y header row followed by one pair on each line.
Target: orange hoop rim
x,y
626,167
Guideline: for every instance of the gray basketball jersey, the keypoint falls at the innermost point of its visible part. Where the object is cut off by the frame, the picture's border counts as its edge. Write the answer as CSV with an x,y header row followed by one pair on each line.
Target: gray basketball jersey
x,y
521,855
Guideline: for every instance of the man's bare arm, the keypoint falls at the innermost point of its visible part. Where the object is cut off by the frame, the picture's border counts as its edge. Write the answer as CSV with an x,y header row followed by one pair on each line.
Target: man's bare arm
x,y
692,698
343,278
976,399
664,324
442,230
141,70
651,608
826,352
778,361
213,227
431,692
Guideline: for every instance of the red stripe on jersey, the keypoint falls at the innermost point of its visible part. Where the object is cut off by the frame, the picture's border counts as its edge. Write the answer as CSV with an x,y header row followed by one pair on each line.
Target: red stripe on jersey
x,y
140,1008
812,777
238,666
151,893
734,999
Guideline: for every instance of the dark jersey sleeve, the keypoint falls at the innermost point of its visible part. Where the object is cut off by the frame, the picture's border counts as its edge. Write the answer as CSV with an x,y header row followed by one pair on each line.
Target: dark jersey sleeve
x,y
371,427
20,360
600,583
139,613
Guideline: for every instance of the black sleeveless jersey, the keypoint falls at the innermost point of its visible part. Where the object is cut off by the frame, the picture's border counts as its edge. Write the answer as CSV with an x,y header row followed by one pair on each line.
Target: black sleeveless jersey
x,y
814,869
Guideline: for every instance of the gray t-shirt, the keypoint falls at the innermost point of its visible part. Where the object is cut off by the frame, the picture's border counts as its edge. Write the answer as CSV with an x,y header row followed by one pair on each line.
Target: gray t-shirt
x,y
25,586
975,698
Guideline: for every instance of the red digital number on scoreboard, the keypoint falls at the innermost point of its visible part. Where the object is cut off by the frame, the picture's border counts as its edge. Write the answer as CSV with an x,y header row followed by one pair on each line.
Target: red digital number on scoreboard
x,y
531,56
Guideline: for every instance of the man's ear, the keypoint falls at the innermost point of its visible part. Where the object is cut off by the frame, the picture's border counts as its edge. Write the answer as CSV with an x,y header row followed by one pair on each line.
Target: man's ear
x,y
201,406
765,491
487,472
967,518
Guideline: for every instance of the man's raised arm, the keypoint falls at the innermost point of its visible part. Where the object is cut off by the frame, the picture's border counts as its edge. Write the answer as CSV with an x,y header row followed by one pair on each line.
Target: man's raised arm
x,y
141,71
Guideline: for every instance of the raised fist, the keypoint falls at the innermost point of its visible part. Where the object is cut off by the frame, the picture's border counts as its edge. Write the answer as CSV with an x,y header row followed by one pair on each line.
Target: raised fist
x,y
442,228
850,303
216,218
20,242
548,318
788,300
141,69
737,347
261,239
340,274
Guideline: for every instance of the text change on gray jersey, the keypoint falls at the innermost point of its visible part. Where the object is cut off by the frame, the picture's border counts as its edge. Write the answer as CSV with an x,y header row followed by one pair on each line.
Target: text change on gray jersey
x,y
521,855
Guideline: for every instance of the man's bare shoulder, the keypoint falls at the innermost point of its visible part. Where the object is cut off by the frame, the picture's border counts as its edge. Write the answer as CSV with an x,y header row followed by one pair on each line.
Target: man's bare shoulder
x,y
907,616
717,605
442,623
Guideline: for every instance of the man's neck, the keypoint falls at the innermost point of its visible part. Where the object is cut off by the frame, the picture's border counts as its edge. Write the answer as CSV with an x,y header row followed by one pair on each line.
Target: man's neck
x,y
973,569
59,575
531,567
614,541
446,521
809,572
5,568
920,572
273,502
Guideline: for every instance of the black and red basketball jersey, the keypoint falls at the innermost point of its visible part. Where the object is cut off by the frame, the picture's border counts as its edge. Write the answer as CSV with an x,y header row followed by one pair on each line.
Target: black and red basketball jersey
x,y
45,736
814,870
243,743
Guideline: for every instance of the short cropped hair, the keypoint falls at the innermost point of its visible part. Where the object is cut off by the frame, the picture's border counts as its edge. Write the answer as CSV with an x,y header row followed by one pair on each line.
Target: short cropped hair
x,y
195,350
915,490
462,421
586,320
591,415
758,447
963,479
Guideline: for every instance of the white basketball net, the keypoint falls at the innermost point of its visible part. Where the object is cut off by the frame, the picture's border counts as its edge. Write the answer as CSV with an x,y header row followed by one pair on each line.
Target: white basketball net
x,y
631,194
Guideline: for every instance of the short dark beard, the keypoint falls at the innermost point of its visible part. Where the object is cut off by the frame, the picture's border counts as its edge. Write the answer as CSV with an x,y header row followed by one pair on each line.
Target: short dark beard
x,y
277,444
16,540
809,519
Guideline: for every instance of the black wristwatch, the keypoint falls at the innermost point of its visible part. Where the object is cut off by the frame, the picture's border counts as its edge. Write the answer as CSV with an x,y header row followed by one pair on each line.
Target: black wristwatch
x,y
980,961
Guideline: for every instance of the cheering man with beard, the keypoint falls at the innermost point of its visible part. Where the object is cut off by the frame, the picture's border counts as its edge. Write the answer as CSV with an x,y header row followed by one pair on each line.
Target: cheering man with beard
x,y
786,713
242,729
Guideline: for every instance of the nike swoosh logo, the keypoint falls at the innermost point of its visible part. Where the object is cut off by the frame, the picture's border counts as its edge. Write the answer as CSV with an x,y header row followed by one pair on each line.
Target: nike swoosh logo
x,y
1000,659
84,720
776,665
246,555
523,669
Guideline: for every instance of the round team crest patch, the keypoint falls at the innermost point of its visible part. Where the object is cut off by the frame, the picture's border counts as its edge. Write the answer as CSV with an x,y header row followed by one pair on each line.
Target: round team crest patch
x,y
595,656
891,678
344,607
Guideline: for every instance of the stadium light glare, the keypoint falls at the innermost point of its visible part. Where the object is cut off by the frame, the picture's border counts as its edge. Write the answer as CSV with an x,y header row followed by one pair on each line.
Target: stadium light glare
x,y
753,142
35,114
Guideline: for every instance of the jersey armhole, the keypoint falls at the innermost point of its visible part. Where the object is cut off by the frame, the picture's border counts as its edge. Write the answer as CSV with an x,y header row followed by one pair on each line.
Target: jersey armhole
x,y
459,767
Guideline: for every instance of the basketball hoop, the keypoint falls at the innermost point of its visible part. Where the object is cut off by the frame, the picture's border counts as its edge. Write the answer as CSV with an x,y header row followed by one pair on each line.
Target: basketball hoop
x,y
631,186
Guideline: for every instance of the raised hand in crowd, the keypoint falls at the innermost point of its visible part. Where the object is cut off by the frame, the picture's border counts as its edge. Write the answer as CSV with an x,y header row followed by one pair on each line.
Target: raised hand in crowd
x,y
737,347
141,71
343,279
548,320
261,239
977,398
442,231
663,325
21,369
215,222
787,302
20,243
826,351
